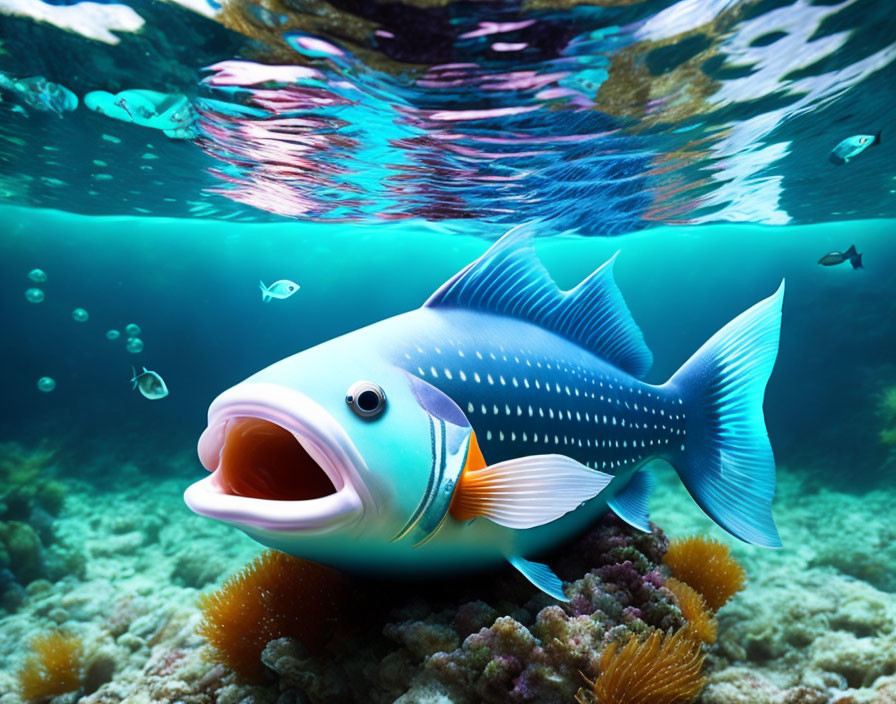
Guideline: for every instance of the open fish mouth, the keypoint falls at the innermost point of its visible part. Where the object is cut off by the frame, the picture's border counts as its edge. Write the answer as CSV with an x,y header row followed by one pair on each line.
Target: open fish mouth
x,y
279,461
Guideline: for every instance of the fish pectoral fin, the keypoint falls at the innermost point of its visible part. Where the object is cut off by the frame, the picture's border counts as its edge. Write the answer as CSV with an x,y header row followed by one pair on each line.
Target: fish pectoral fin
x,y
631,503
541,576
527,491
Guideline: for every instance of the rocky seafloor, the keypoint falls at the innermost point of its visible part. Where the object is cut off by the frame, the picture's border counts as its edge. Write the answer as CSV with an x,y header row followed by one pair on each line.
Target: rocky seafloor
x,y
121,567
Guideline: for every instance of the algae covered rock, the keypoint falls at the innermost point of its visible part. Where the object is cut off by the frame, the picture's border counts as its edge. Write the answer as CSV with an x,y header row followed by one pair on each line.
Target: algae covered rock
x,y
23,550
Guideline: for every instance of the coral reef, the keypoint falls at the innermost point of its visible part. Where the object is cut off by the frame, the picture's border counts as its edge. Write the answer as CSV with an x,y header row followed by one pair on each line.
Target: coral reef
x,y
276,596
30,503
52,668
509,644
804,631
700,621
664,668
706,565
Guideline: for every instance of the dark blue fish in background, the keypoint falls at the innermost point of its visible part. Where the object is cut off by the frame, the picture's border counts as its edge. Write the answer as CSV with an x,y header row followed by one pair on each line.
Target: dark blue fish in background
x,y
850,255
851,147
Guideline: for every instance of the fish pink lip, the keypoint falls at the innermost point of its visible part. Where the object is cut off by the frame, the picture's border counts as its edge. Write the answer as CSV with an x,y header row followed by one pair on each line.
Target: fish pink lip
x,y
317,433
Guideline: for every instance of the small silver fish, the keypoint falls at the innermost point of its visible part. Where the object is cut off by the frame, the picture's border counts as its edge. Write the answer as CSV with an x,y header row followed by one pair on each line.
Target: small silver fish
x,y
283,288
151,385
850,255
853,146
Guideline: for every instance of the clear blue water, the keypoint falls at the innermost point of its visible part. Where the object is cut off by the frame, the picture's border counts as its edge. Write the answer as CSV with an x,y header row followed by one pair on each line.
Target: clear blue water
x,y
607,118
158,159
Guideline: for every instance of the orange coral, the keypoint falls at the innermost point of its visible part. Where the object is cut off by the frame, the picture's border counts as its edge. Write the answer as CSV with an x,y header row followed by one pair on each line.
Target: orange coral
x,y
665,668
53,668
701,623
707,566
274,596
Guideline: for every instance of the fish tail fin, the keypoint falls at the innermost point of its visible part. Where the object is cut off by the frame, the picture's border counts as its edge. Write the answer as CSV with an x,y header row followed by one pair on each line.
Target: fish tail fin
x,y
851,252
265,296
725,459
133,377
856,261
876,138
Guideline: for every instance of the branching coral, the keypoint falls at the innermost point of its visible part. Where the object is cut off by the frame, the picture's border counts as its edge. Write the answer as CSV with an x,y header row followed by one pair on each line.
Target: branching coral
x,y
707,566
53,667
275,596
700,621
665,668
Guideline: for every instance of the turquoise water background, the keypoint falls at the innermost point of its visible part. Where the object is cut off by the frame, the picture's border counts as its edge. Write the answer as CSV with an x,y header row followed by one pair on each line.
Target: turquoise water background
x,y
192,285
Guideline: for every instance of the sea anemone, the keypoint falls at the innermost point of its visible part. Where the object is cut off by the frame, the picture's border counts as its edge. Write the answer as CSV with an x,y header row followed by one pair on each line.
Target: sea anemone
x,y
664,668
52,668
274,596
707,566
700,621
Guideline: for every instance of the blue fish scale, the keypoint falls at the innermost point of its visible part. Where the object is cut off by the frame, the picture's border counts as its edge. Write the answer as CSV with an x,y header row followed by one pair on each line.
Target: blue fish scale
x,y
521,401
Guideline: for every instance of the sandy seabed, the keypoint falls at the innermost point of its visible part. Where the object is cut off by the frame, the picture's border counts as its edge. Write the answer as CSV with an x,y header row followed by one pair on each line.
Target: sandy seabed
x,y
816,622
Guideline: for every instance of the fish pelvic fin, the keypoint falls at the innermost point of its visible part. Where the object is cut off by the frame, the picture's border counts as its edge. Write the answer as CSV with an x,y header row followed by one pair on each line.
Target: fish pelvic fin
x,y
541,576
726,460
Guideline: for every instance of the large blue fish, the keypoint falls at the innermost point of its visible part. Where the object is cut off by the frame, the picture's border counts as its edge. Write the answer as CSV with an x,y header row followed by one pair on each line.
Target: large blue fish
x,y
501,418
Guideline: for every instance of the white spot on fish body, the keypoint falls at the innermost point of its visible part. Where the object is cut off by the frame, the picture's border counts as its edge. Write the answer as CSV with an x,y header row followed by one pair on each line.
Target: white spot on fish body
x,y
448,374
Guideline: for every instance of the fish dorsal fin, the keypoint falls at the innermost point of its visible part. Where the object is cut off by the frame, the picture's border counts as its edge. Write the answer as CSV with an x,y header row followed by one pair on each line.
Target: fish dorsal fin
x,y
510,280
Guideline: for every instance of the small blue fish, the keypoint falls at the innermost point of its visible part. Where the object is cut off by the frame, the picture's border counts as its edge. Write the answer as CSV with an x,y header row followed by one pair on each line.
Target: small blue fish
x,y
151,385
851,147
281,289
497,421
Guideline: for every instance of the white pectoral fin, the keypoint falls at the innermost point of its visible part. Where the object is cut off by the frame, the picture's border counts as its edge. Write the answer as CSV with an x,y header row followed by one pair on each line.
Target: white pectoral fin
x,y
541,576
527,492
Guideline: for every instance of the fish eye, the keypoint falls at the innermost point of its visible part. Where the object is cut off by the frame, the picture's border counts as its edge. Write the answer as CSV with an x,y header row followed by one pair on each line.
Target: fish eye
x,y
291,288
862,140
366,399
